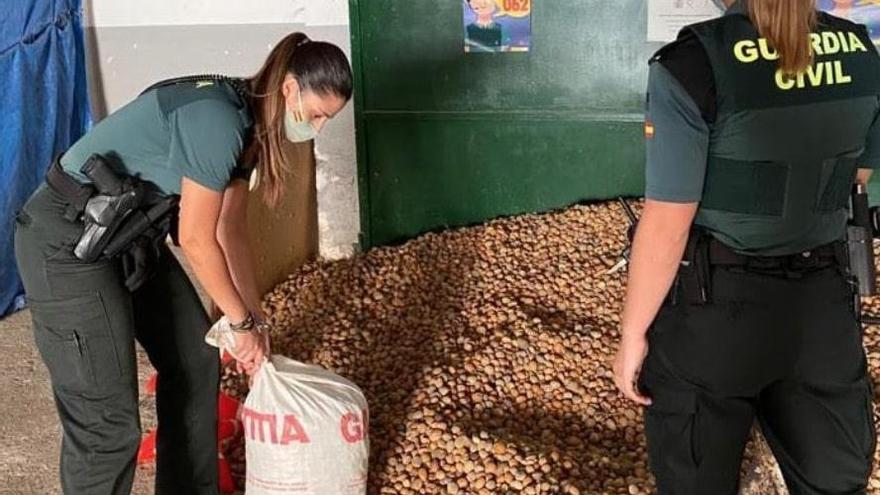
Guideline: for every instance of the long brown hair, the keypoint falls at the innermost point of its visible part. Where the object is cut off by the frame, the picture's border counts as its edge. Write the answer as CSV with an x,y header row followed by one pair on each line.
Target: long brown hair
x,y
787,25
318,67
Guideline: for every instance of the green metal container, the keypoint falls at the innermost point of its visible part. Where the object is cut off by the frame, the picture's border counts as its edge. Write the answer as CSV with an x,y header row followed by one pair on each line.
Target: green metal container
x,y
447,139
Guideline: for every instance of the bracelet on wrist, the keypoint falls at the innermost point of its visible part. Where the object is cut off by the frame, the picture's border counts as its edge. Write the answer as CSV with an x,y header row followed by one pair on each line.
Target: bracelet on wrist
x,y
244,326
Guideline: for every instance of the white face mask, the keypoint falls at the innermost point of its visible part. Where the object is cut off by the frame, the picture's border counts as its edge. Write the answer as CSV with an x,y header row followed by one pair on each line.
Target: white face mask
x,y
295,131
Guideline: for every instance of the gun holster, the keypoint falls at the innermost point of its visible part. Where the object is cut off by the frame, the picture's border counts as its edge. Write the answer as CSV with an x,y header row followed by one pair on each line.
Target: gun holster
x,y
860,233
105,212
125,217
693,282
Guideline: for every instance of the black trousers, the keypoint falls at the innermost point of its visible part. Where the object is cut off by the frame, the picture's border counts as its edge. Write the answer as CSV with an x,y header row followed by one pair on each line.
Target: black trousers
x,y
85,326
784,349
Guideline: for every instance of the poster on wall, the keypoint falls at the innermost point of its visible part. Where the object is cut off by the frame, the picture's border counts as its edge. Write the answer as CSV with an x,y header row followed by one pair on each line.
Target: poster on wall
x,y
667,17
865,12
495,26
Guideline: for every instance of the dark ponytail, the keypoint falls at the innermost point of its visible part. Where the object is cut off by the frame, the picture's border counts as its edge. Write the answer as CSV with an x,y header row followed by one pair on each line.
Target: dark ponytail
x,y
318,67
322,68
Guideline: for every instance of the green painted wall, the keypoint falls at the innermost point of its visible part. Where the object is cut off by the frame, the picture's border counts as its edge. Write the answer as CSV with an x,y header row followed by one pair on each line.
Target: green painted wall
x,y
449,139
874,189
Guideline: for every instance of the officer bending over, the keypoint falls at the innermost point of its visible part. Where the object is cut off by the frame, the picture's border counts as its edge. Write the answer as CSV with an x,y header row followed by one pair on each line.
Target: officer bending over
x,y
90,245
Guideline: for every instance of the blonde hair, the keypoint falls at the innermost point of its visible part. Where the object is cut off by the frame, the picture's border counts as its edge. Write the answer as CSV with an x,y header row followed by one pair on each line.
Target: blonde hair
x,y
787,25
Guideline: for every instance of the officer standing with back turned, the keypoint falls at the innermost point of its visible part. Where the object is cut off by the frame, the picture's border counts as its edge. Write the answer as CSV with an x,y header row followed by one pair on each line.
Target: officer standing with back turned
x,y
741,304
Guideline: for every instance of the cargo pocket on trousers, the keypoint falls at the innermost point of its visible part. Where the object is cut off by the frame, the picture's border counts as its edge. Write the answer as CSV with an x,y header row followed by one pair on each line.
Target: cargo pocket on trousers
x,y
850,408
75,340
672,429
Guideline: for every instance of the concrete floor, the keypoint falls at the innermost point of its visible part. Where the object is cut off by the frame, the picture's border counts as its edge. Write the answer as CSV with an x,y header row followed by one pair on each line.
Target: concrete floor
x,y
30,434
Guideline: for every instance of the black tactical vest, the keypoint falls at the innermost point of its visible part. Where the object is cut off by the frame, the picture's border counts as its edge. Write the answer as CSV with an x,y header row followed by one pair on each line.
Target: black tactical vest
x,y
784,151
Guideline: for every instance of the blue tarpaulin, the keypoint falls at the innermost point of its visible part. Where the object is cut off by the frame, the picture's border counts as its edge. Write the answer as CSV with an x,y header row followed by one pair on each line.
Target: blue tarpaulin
x,y
45,107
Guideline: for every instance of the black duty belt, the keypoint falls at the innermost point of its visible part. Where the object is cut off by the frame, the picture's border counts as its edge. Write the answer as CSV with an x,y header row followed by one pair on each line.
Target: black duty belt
x,y
121,216
75,193
819,257
693,283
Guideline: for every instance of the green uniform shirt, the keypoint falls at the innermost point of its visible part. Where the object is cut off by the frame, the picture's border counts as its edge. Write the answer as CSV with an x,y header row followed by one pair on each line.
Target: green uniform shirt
x,y
678,141
195,130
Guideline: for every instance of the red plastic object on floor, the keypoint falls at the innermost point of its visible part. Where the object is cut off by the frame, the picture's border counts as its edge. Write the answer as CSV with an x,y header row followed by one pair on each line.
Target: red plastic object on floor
x,y
227,407
152,383
226,358
227,429
147,450
227,484
228,426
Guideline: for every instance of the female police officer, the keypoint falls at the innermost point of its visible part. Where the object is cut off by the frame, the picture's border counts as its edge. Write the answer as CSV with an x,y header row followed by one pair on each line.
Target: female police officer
x,y
757,124
193,137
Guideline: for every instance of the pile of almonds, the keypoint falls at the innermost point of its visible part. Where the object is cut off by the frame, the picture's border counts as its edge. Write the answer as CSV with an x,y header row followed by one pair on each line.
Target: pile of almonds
x,y
871,307
484,355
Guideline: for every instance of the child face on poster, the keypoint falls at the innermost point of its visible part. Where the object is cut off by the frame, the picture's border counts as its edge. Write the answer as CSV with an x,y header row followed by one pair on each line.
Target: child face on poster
x,y
484,9
842,6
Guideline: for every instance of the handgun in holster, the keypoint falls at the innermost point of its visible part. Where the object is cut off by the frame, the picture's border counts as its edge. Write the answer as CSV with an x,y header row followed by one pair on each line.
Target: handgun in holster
x,y
127,218
860,232
104,213
693,281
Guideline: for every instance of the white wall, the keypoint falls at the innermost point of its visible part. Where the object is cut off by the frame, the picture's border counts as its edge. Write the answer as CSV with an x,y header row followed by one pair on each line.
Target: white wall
x,y
134,43
119,13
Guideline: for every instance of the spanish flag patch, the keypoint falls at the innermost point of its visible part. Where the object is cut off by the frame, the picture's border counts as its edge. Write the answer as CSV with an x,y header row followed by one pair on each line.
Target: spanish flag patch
x,y
649,129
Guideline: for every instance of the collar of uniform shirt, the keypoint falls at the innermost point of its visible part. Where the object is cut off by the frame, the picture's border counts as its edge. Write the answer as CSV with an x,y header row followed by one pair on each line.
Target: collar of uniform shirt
x,y
739,7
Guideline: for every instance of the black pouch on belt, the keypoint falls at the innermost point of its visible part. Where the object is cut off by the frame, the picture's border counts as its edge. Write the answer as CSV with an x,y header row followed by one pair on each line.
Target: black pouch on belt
x,y
140,240
140,259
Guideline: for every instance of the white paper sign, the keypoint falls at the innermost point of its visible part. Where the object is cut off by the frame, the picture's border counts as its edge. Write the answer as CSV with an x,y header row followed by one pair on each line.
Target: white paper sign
x,y
667,17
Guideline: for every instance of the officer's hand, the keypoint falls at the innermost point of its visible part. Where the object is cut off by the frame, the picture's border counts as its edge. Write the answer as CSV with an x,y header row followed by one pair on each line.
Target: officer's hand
x,y
250,350
627,364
